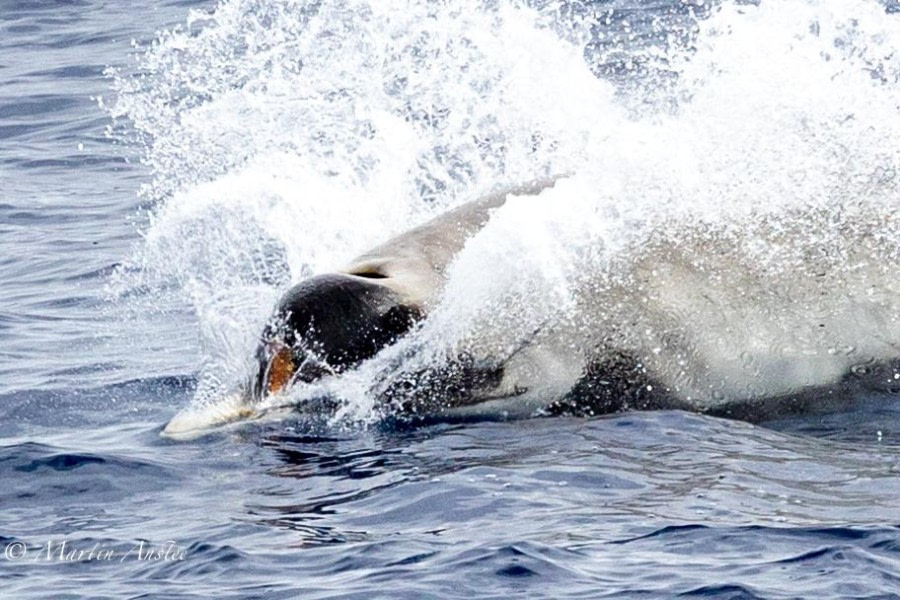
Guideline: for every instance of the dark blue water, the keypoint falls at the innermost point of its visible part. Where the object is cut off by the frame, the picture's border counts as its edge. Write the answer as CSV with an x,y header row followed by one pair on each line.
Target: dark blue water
x,y
95,504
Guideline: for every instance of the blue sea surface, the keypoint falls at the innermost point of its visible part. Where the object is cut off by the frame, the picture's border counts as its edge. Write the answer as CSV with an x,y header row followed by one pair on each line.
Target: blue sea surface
x,y
95,504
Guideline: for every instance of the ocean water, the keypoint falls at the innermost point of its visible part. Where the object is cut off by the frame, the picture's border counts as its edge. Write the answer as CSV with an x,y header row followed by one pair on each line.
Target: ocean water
x,y
167,169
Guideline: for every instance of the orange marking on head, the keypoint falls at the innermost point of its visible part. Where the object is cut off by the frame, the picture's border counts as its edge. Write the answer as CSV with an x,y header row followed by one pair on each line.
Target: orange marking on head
x,y
281,369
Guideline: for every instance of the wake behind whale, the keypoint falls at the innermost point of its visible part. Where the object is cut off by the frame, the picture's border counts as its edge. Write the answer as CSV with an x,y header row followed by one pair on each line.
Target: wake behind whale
x,y
727,232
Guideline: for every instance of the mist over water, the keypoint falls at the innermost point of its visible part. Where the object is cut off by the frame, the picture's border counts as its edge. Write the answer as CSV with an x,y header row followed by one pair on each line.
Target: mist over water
x,y
287,137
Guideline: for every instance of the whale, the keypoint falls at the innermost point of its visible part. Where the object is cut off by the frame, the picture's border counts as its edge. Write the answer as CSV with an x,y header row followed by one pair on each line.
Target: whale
x,y
694,321
694,326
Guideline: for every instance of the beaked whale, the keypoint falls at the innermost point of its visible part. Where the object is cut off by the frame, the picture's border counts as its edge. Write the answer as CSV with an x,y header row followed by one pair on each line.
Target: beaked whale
x,y
697,324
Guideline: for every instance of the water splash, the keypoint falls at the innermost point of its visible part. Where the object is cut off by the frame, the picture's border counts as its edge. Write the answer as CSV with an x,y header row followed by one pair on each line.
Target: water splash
x,y
287,137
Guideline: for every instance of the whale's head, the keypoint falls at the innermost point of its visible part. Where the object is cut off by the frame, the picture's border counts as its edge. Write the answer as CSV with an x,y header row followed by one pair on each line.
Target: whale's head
x,y
326,325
